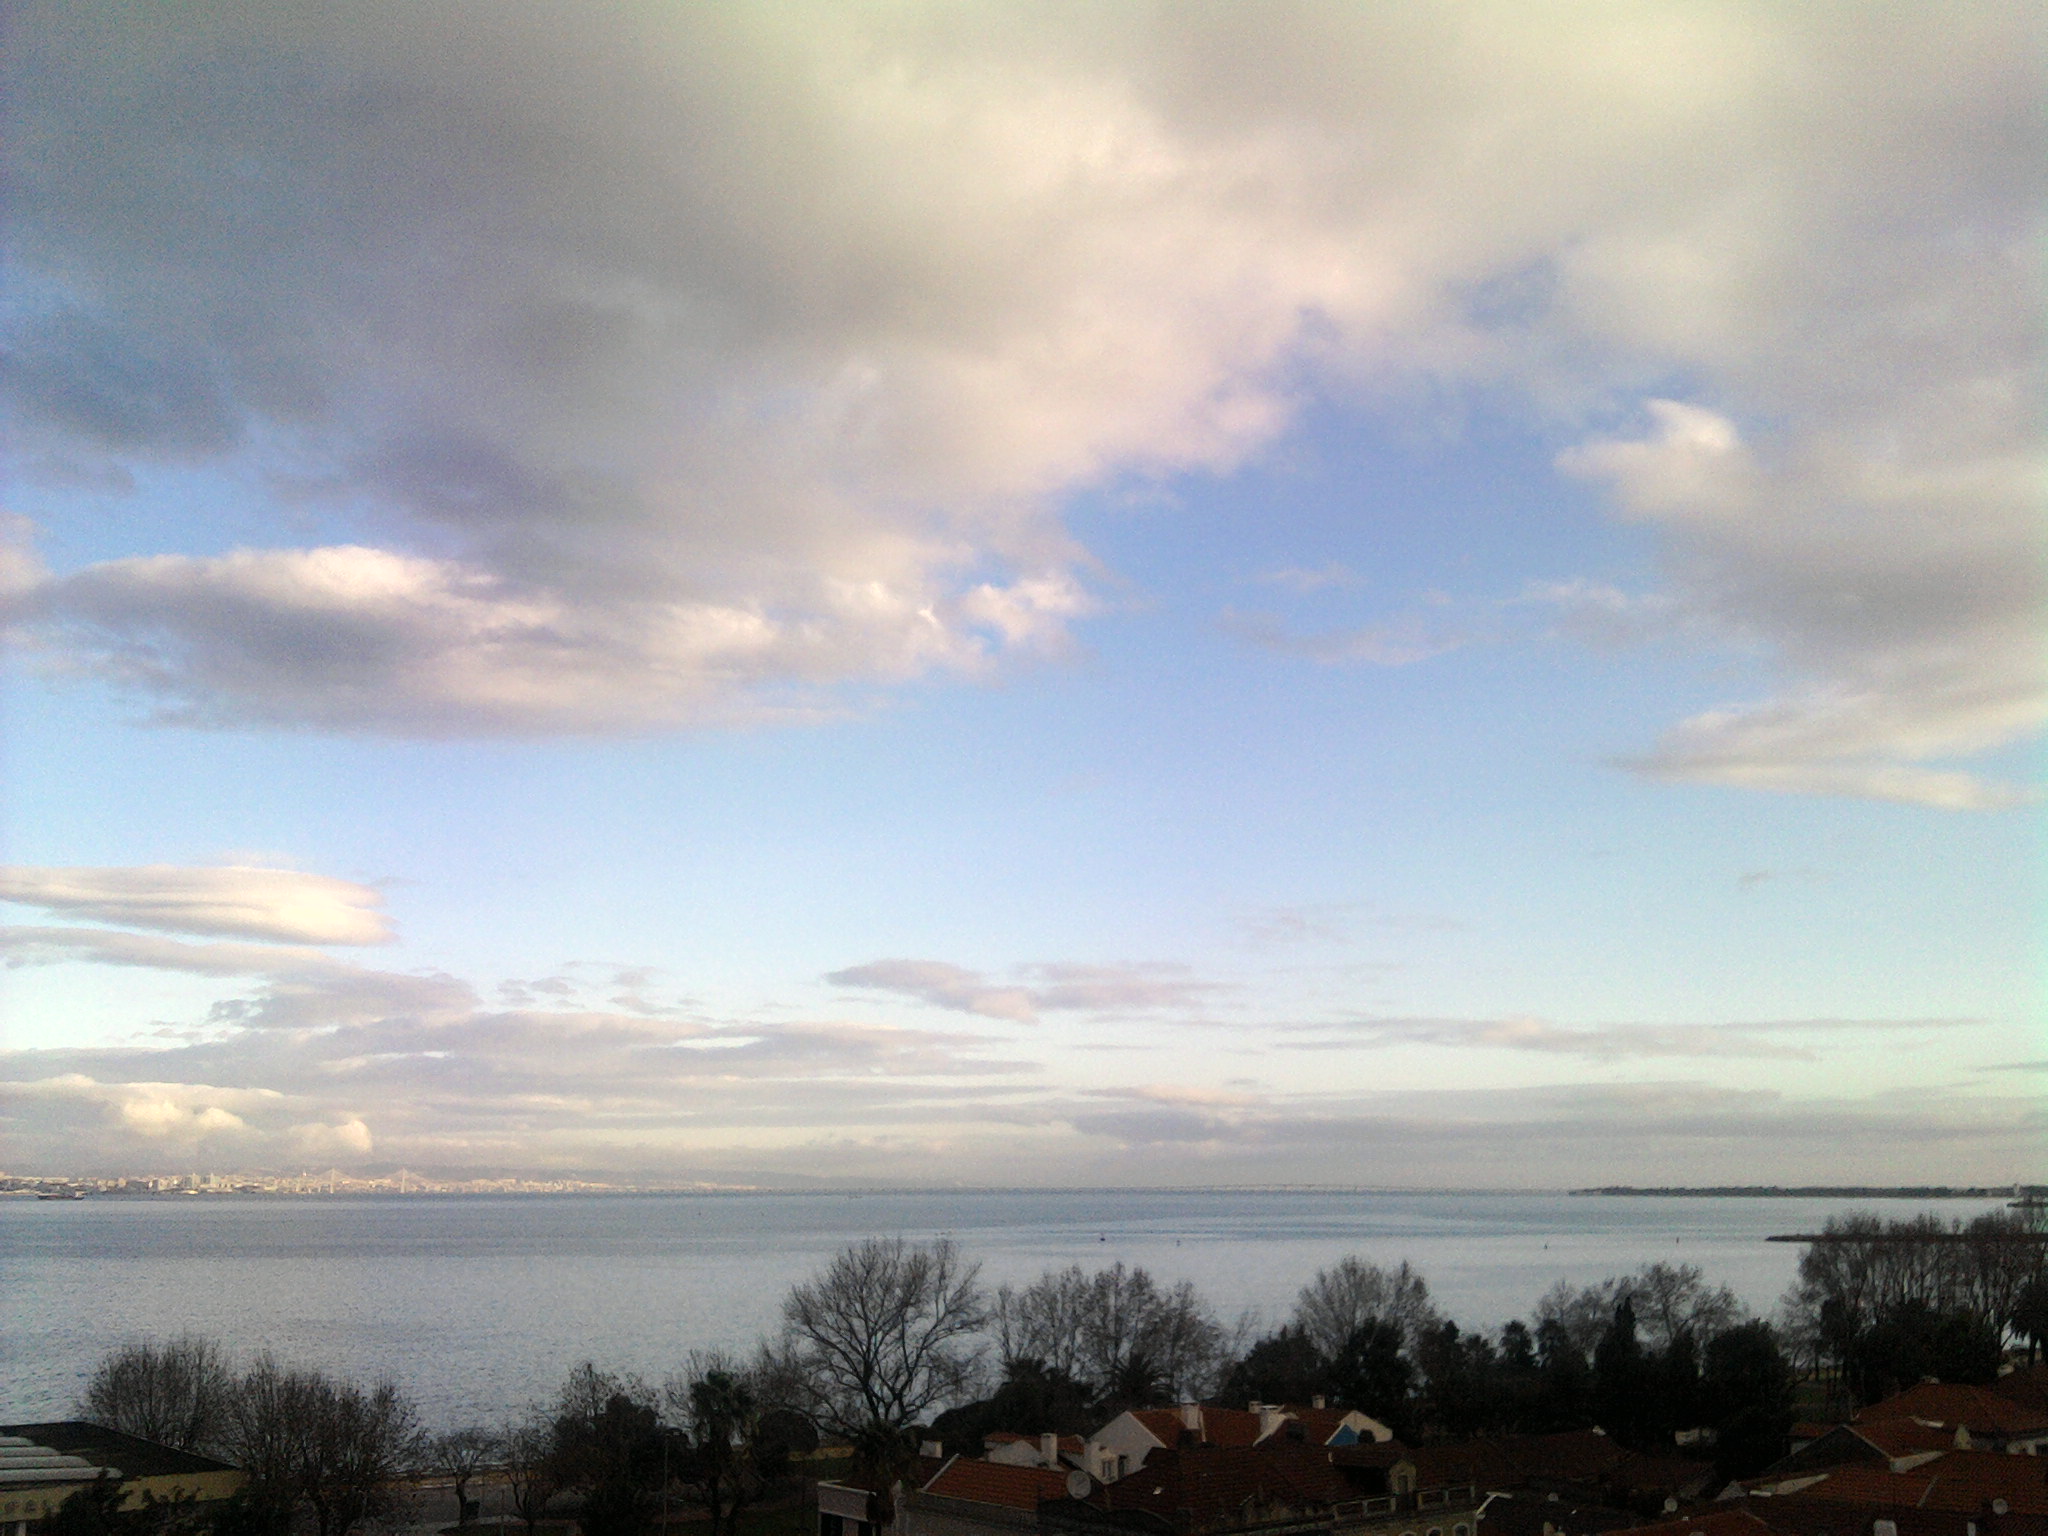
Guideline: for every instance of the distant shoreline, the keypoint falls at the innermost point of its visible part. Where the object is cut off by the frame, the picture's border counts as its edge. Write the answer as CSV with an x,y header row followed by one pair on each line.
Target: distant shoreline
x,y
1829,1191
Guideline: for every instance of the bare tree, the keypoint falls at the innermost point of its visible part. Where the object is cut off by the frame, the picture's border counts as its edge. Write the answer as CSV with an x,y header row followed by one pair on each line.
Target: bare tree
x,y
882,1335
1117,1330
270,1413
1674,1299
360,1441
308,1441
531,1471
460,1455
1351,1294
1581,1313
174,1392
1044,1320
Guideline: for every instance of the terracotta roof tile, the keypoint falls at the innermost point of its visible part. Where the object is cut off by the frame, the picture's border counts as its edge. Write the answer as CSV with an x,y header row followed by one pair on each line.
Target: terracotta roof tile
x,y
1978,1409
988,1482
1717,1522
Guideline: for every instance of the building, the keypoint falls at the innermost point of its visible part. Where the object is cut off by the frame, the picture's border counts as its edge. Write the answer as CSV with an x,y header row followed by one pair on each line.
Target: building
x,y
1126,1441
41,1465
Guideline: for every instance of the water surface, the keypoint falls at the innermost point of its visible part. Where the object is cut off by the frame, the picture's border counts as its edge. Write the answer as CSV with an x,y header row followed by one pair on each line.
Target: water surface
x,y
478,1304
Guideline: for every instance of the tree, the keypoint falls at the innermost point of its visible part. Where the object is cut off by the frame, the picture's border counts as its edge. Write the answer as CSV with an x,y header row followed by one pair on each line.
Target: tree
x,y
1911,1341
94,1510
1564,1381
174,1392
1674,1300
1746,1394
459,1455
1372,1375
1459,1396
607,1446
359,1442
2029,1317
1045,1321
1345,1297
1620,1378
1034,1399
881,1336
726,1456
1129,1338
531,1473
1283,1367
269,1415
1668,1299
306,1440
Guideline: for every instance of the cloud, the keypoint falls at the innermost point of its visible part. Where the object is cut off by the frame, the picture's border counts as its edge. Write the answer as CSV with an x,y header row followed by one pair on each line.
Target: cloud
x,y
1398,644
1049,988
322,1059
1766,1040
1297,578
230,901
1600,615
1663,1132
1881,585
723,364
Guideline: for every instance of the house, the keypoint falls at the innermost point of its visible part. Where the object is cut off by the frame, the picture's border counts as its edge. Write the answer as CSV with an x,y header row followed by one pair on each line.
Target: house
x,y
1899,1444
1014,1450
1987,1420
41,1465
1274,1487
1124,1443
1957,1493
967,1497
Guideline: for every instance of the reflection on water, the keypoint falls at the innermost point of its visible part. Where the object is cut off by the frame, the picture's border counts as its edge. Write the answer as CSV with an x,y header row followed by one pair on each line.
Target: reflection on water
x,y
478,1304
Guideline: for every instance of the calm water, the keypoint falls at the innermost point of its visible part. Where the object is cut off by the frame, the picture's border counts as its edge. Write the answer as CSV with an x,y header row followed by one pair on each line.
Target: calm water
x,y
480,1304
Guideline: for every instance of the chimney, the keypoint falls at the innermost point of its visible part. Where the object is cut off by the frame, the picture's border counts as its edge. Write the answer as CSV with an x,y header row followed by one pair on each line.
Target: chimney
x,y
1049,1450
1191,1417
1271,1416
1318,1401
932,1448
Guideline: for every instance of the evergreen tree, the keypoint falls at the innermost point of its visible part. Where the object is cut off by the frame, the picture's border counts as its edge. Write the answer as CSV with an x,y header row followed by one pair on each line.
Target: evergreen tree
x,y
1621,1379
1371,1374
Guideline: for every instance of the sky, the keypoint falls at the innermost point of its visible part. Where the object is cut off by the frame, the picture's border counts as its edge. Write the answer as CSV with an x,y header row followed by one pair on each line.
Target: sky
x,y
1025,594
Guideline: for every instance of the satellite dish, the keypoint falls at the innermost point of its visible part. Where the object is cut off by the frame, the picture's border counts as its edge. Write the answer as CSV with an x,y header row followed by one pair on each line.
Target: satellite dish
x,y
1079,1484
2000,1507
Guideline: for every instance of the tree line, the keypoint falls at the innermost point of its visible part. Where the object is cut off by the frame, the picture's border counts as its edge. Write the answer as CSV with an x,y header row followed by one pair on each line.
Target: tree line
x,y
894,1342
1880,1304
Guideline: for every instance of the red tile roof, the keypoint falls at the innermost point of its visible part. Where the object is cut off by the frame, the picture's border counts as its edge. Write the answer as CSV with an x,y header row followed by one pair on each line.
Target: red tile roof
x,y
988,1482
1194,1488
1718,1522
1905,1437
1961,1482
1981,1411
2027,1386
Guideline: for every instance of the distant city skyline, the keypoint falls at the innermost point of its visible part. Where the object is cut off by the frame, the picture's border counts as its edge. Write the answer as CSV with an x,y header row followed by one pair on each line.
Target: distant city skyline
x,y
1421,597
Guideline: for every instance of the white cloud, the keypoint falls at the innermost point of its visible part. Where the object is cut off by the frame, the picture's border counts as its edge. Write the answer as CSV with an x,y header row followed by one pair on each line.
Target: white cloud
x,y
228,900
1045,988
348,1138
698,364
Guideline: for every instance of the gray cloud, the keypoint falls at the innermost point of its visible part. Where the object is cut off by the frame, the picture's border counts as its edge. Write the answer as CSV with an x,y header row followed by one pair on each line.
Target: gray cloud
x,y
326,1062
341,1063
1046,988
699,365
1770,1039
232,901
